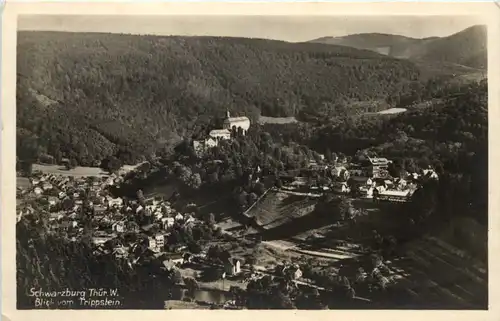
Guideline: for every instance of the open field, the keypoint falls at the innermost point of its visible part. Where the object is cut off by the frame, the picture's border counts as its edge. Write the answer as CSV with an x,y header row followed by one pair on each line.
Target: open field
x,y
79,171
277,120
392,111
278,208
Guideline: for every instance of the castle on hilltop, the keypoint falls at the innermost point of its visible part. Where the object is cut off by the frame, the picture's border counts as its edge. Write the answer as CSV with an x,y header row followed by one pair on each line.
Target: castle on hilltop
x,y
229,124
215,135
236,122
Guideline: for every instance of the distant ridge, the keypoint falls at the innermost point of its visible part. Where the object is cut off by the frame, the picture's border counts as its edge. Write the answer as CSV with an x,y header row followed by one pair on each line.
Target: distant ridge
x,y
467,47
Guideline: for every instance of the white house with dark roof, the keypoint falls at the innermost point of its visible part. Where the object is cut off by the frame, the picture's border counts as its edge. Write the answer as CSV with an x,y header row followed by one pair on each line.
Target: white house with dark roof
x,y
232,266
237,122
220,134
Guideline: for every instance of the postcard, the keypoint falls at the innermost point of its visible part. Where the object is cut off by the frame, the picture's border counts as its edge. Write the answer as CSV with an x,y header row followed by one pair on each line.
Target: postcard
x,y
303,157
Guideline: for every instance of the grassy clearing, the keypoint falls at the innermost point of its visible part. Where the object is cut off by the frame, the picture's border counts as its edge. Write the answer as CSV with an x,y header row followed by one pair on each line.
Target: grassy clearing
x,y
278,208
277,120
392,111
79,171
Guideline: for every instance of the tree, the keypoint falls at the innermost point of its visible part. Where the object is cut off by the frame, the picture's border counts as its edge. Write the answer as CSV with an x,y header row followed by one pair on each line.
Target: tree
x,y
111,164
176,277
195,181
259,188
210,219
345,208
213,177
252,198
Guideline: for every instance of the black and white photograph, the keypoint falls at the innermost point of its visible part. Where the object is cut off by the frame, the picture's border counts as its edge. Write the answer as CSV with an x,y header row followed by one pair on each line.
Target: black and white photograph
x,y
251,162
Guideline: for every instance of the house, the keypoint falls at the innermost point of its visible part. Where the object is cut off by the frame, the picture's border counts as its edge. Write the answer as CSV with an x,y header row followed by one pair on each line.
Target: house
x,y
236,122
120,252
366,191
188,219
168,265
55,217
210,142
294,272
341,173
430,173
152,244
118,227
100,239
218,134
187,257
35,181
175,258
115,202
38,191
167,222
376,167
160,241
232,266
52,200
341,187
400,183
179,217
394,196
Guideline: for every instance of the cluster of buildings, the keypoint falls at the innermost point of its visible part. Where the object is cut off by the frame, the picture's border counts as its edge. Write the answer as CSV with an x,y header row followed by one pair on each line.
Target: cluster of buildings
x,y
78,207
369,178
216,135
64,197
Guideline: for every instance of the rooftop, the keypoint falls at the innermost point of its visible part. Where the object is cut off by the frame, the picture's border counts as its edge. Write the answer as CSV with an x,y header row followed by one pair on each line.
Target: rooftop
x,y
395,193
243,118
379,160
220,132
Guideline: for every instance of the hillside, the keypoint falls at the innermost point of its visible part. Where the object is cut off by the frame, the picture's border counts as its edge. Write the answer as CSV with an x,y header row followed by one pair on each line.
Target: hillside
x,y
467,47
391,45
88,96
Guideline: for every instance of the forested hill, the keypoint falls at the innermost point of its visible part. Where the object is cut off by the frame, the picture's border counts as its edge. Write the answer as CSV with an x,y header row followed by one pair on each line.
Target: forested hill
x,y
95,95
467,47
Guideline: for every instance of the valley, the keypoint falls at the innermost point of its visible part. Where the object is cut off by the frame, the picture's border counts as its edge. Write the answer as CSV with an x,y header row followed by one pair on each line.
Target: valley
x,y
347,172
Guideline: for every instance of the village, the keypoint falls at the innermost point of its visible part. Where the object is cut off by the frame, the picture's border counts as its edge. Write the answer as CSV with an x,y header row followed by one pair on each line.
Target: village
x,y
145,231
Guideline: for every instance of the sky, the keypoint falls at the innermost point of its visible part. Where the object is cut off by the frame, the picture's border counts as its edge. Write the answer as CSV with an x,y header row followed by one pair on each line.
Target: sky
x,y
287,28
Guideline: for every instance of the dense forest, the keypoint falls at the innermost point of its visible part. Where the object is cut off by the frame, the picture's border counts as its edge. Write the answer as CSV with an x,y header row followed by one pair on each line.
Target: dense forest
x,y
89,96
